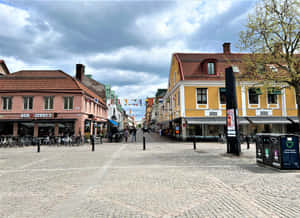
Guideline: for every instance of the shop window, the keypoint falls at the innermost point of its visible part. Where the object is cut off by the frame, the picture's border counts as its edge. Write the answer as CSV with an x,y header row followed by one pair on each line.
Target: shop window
x,y
28,102
7,103
222,94
201,95
253,94
193,130
48,102
68,103
211,68
87,126
45,129
26,129
66,128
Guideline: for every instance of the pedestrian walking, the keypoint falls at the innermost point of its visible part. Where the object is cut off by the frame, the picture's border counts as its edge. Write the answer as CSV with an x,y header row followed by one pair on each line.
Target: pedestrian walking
x,y
247,141
133,137
126,134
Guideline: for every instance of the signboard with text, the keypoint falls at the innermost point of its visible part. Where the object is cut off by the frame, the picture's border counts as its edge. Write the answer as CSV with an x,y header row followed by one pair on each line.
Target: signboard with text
x,y
36,116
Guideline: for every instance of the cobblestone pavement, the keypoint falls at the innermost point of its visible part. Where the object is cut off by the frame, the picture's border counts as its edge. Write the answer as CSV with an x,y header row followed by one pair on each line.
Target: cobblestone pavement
x,y
169,179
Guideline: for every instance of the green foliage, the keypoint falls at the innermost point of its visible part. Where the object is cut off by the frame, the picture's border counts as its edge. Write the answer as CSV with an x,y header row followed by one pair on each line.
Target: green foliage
x,y
272,35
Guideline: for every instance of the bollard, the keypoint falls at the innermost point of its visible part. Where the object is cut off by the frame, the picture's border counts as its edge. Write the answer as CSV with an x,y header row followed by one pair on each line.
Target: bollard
x,y
101,140
194,142
93,145
38,146
144,143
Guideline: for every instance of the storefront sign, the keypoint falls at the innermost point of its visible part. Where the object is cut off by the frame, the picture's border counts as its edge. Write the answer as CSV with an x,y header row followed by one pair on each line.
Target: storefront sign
x,y
36,115
25,115
42,115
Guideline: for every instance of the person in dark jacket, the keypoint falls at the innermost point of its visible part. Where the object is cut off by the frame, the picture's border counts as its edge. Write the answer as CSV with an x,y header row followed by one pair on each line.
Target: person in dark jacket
x,y
92,137
133,137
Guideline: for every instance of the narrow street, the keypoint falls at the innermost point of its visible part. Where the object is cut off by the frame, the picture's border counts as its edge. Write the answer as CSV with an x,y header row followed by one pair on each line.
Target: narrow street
x,y
152,137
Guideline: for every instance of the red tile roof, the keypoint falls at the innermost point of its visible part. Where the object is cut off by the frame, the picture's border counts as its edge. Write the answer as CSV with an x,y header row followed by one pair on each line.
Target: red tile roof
x,y
190,64
44,80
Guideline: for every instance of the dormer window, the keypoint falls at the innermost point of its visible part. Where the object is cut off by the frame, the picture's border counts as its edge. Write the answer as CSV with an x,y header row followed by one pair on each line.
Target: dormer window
x,y
211,68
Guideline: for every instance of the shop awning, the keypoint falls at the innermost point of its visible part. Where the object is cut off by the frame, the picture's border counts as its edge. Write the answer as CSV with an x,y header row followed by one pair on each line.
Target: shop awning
x,y
207,120
214,120
113,122
293,119
269,120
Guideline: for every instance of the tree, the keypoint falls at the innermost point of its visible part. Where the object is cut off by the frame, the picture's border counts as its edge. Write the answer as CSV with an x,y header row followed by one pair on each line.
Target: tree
x,y
272,35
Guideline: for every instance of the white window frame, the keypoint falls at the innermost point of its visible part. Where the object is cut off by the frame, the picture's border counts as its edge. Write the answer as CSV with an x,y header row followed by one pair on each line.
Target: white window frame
x,y
277,104
7,98
48,103
27,98
214,68
219,96
69,99
197,105
256,105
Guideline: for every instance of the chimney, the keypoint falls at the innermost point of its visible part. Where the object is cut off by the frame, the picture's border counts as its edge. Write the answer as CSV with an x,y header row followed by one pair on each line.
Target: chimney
x,y
79,72
277,47
226,48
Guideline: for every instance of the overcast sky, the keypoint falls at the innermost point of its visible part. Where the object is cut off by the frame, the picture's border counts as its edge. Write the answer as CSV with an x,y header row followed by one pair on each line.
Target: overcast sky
x,y
128,44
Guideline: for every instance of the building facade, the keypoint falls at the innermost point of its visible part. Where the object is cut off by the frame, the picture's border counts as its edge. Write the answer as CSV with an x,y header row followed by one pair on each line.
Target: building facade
x,y
48,103
195,104
115,111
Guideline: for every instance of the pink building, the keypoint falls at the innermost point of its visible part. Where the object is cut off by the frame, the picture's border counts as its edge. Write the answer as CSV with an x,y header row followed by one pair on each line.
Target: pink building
x,y
48,102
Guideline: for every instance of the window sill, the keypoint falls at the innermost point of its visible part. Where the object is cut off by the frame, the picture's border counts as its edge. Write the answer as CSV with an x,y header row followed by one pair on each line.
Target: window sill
x,y
273,106
201,106
253,106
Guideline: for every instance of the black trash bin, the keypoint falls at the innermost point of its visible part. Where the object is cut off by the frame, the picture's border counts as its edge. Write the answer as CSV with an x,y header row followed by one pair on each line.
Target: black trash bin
x,y
279,150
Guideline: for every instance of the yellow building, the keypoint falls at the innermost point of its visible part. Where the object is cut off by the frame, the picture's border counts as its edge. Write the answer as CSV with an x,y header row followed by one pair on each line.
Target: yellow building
x,y
195,103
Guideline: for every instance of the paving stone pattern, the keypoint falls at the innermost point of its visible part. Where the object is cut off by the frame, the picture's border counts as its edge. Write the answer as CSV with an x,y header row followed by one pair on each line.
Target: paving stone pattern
x,y
169,179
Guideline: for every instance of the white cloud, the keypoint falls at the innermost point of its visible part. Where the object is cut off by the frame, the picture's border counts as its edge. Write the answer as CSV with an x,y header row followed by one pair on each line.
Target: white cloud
x,y
185,18
13,64
13,20
157,55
